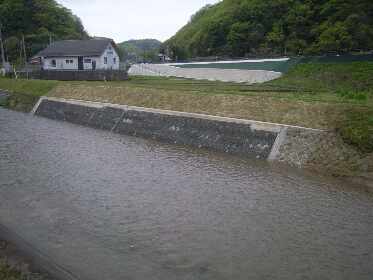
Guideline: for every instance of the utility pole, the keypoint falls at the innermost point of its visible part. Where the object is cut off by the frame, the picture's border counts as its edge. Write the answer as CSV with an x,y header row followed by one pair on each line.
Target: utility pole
x,y
2,47
24,49
20,52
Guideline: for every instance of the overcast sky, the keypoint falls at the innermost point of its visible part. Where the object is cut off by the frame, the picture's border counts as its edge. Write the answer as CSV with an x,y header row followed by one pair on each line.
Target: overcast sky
x,y
134,19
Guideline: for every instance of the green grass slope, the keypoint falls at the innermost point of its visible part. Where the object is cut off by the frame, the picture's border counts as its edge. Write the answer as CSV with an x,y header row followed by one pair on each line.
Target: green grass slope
x,y
25,93
352,83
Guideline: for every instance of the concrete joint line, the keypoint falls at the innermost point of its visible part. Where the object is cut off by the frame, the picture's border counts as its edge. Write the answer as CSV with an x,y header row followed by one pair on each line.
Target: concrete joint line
x,y
119,120
33,111
280,139
92,116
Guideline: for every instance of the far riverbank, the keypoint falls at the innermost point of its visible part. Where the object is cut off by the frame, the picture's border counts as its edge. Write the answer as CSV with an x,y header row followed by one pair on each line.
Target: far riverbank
x,y
335,98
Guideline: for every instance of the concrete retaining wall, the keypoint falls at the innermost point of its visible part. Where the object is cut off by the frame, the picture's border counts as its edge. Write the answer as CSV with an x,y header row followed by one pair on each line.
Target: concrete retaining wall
x,y
312,149
3,96
248,138
66,75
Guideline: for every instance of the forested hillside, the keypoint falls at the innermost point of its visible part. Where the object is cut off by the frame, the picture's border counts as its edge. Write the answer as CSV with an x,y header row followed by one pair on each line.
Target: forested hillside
x,y
139,50
239,28
37,21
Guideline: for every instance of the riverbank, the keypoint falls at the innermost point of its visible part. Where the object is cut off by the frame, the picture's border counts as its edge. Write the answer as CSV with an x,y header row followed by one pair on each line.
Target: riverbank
x,y
304,148
336,98
15,267
21,260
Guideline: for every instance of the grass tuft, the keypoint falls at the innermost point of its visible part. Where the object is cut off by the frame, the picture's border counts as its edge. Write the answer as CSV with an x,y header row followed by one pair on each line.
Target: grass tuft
x,y
357,129
9,273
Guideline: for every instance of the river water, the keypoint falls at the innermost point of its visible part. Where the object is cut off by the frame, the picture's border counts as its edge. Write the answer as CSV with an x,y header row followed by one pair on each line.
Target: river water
x,y
107,206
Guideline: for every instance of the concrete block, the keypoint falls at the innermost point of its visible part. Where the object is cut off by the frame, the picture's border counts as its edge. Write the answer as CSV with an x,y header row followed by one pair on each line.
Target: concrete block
x,y
106,118
232,138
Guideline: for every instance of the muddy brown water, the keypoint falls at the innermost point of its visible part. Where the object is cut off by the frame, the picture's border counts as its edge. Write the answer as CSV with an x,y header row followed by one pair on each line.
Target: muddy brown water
x,y
107,206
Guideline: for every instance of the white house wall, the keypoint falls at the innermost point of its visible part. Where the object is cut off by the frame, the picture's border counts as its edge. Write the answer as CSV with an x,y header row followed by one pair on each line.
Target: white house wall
x,y
110,54
61,64
88,66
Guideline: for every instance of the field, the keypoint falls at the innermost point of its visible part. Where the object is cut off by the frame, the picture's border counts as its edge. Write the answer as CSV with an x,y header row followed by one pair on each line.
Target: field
x,y
336,97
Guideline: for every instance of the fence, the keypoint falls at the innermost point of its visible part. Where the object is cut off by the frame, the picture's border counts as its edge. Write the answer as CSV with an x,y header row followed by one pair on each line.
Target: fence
x,y
89,75
280,66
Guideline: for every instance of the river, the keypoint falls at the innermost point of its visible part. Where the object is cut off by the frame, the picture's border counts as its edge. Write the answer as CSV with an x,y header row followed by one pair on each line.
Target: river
x,y
107,206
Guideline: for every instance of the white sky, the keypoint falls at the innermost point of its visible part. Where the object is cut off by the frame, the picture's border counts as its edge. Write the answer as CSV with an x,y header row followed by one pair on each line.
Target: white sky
x,y
134,19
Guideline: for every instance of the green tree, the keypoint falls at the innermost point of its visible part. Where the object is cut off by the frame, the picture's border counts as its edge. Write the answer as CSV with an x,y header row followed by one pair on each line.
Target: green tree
x,y
335,38
245,37
37,20
240,27
276,39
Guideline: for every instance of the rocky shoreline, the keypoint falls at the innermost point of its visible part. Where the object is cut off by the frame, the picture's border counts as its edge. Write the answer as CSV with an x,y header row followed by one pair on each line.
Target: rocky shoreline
x,y
326,153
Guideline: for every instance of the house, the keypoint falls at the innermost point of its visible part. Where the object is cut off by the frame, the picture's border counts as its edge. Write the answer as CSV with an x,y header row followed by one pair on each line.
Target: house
x,y
164,58
94,54
5,68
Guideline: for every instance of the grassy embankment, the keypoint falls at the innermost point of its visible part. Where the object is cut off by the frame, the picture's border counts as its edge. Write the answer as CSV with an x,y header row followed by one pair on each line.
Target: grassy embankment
x,y
328,96
25,93
9,273
14,266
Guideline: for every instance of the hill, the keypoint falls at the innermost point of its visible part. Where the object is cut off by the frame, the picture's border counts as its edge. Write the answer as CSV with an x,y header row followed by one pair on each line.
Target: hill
x,y
139,50
238,28
38,21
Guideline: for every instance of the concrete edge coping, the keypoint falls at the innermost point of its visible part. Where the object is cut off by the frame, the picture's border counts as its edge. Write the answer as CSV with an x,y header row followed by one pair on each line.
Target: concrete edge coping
x,y
255,125
35,108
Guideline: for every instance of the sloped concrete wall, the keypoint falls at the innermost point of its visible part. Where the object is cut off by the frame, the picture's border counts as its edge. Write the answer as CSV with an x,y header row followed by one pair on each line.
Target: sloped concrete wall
x,y
212,74
3,96
300,147
248,138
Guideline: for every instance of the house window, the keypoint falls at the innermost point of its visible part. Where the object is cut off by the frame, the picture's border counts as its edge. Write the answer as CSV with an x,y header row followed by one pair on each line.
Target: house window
x,y
105,60
53,63
87,60
69,61
115,60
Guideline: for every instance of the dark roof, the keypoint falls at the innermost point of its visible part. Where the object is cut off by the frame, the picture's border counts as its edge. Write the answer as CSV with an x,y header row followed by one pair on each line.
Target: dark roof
x,y
93,47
